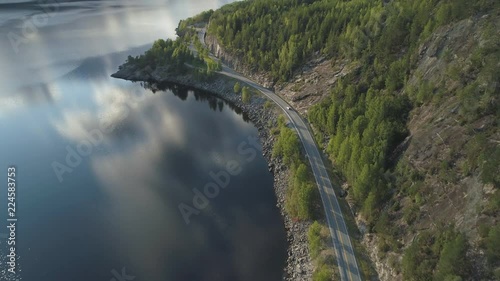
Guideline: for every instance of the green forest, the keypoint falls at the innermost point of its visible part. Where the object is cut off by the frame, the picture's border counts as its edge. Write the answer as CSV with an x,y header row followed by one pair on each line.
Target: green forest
x,y
279,35
165,53
175,56
366,115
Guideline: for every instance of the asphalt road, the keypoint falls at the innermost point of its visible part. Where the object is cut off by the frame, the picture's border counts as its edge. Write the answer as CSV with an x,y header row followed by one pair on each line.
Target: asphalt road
x,y
344,251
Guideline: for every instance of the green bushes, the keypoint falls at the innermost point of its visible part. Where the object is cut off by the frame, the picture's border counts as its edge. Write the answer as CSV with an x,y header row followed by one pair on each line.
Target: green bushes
x,y
485,156
237,87
302,194
287,145
246,94
323,273
386,232
493,206
437,255
452,264
490,243
211,65
480,87
314,239
268,104
493,245
317,243
491,162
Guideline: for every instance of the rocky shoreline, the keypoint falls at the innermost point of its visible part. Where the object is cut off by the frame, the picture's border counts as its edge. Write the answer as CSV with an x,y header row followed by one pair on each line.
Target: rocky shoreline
x,y
298,265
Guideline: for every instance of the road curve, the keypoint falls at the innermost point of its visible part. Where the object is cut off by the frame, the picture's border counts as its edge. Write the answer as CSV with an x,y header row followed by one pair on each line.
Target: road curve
x,y
344,251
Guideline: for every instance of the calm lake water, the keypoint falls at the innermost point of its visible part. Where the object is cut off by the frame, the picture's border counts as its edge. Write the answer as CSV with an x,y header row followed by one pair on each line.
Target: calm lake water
x,y
104,164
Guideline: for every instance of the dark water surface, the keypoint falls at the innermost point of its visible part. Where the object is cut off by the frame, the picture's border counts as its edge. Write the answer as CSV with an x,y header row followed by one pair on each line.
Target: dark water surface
x,y
104,164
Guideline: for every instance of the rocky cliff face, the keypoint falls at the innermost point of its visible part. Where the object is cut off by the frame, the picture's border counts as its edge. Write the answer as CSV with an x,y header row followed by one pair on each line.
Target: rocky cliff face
x,y
235,62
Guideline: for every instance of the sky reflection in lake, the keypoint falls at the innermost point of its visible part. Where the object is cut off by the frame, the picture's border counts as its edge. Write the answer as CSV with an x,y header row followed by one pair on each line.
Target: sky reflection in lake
x,y
118,207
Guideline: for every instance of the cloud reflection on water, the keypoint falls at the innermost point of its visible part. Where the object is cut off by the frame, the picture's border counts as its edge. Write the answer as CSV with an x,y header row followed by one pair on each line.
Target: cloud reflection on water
x,y
159,155
122,200
91,28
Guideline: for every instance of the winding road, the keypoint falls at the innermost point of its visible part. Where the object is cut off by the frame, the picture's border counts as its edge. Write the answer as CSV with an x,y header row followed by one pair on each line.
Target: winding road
x,y
344,250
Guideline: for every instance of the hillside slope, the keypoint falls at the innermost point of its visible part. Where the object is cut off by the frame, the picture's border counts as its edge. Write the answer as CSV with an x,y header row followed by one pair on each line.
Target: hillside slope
x,y
405,98
447,175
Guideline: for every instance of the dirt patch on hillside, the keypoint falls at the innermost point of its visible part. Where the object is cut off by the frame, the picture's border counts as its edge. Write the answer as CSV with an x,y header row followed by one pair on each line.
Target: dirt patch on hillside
x,y
312,82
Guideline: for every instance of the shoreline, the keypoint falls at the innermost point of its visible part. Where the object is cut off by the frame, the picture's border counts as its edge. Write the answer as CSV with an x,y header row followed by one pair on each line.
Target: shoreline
x,y
298,266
